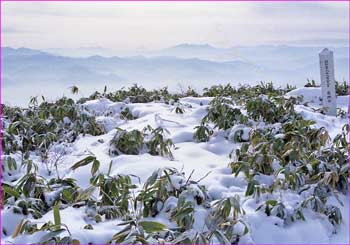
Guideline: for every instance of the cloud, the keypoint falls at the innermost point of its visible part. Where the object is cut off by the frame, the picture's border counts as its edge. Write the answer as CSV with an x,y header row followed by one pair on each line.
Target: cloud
x,y
130,25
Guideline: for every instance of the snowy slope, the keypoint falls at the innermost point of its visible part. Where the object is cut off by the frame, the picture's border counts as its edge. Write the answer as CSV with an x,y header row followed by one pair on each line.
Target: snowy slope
x,y
209,161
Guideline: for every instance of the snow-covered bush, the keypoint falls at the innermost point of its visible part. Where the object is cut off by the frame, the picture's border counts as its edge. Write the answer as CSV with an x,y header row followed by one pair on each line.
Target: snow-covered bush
x,y
284,167
156,142
301,157
239,133
37,127
133,142
277,109
125,142
202,133
223,113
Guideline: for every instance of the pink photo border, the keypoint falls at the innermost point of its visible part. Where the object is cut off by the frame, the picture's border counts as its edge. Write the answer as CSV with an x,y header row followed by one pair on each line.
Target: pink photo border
x,y
166,1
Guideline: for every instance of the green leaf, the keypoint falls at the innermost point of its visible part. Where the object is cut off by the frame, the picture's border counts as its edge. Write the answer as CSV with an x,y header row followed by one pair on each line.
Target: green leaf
x,y
271,202
47,237
152,179
75,241
95,167
68,195
183,238
11,191
85,194
109,168
183,213
29,185
56,215
83,162
152,226
221,237
251,187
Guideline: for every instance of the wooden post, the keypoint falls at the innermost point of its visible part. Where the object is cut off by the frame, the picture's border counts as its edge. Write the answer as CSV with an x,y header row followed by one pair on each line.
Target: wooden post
x,y
329,99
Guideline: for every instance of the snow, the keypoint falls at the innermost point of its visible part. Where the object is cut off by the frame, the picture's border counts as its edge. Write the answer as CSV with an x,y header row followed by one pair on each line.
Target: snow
x,y
76,220
208,160
9,220
313,96
241,130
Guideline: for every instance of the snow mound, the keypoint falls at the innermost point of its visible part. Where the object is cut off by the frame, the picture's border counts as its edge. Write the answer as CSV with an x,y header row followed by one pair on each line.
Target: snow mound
x,y
312,95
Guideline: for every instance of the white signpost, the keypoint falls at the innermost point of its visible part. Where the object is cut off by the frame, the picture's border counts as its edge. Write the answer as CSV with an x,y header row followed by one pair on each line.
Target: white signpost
x,y
328,82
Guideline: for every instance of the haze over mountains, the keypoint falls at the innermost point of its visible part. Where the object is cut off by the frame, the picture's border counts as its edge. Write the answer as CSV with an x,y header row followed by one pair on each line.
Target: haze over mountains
x,y
39,72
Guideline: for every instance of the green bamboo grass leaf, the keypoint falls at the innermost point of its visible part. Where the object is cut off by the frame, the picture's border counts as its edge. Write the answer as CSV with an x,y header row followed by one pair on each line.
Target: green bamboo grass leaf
x,y
75,241
85,194
56,215
109,168
49,236
11,191
152,226
221,237
183,238
251,187
95,167
83,162
183,213
152,179
271,202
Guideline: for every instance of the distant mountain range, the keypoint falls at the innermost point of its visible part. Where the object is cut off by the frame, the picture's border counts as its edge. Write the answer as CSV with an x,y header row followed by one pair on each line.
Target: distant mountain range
x,y
188,64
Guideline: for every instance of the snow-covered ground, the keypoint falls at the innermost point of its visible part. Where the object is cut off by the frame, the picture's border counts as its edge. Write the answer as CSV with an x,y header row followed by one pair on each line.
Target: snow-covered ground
x,y
209,160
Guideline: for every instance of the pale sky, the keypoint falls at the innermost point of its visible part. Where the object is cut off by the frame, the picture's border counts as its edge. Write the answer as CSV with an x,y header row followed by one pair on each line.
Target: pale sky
x,y
153,25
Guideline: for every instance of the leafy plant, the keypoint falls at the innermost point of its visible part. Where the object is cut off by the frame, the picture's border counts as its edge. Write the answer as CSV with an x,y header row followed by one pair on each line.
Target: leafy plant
x,y
156,142
223,114
115,194
87,160
341,89
126,114
272,111
202,133
311,84
125,142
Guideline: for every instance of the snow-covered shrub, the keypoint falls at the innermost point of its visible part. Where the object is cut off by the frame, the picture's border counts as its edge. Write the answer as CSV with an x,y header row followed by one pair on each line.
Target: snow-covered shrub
x,y
51,231
301,157
125,142
10,168
341,88
239,133
137,94
202,133
169,183
156,142
223,113
318,203
273,207
126,114
179,108
219,90
152,140
115,195
35,195
224,220
244,92
277,109
291,168
37,127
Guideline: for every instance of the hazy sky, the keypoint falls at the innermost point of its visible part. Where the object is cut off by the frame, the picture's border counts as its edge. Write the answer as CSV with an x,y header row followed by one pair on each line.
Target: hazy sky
x,y
151,25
